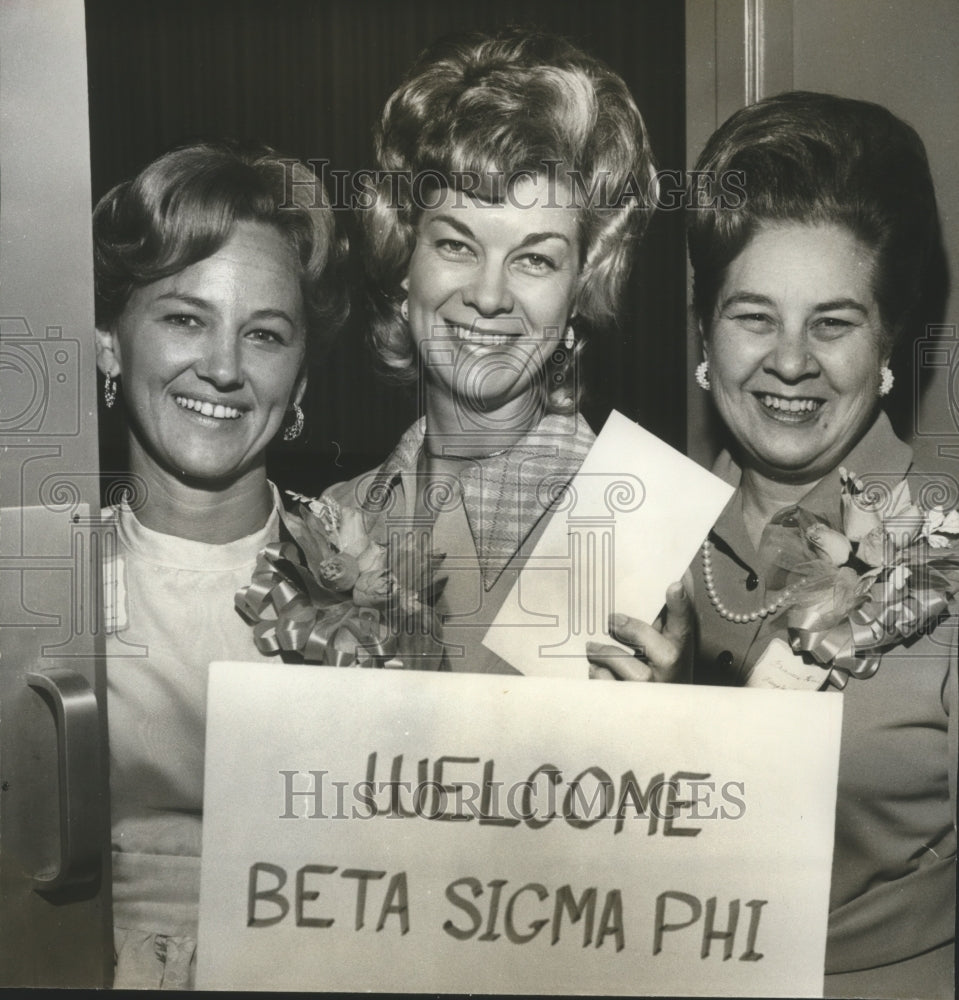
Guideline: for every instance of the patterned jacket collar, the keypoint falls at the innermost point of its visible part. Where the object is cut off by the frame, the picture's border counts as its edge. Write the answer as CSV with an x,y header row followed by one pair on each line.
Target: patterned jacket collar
x,y
504,495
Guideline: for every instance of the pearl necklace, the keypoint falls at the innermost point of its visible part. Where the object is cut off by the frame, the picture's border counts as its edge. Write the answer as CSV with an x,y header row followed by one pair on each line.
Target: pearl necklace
x,y
743,617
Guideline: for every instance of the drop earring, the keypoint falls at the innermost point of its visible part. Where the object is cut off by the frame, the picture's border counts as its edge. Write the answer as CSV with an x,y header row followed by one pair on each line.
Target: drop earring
x,y
109,390
702,375
405,310
569,341
296,428
886,380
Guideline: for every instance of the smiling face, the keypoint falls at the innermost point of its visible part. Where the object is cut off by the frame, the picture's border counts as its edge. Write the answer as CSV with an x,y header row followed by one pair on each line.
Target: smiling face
x,y
490,290
211,358
795,349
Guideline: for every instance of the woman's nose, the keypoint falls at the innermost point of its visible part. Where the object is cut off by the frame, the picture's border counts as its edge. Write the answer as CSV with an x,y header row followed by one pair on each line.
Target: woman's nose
x,y
488,292
220,362
790,357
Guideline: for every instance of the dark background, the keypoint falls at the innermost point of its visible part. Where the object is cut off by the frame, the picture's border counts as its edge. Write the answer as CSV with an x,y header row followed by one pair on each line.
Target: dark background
x,y
310,77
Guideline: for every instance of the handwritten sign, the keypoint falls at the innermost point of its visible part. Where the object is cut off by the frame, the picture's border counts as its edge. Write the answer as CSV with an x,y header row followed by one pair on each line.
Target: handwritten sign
x,y
419,832
633,494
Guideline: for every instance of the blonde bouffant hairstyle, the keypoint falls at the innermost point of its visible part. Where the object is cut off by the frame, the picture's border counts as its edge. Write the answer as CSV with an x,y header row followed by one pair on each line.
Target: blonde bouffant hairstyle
x,y
500,106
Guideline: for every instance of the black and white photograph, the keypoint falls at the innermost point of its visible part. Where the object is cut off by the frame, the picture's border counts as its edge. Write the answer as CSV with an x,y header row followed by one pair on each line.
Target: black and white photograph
x,y
479,497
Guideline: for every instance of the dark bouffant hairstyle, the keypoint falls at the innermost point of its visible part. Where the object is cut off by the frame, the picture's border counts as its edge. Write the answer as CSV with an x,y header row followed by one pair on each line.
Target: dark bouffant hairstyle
x,y
817,158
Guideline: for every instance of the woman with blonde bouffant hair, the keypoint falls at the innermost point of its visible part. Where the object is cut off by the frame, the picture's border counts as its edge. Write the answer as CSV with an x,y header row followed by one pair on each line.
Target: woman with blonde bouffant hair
x,y
515,180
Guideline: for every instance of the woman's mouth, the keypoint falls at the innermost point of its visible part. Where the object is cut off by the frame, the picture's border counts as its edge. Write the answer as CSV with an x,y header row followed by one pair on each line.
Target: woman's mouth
x,y
207,409
789,409
483,338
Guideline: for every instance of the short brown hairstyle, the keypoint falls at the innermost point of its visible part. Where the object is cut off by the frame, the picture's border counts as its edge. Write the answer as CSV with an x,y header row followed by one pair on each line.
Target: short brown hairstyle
x,y
182,207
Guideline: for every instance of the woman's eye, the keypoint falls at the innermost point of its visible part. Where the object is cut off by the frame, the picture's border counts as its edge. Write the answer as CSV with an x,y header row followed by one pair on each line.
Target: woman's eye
x,y
453,248
832,326
266,336
537,263
755,320
187,320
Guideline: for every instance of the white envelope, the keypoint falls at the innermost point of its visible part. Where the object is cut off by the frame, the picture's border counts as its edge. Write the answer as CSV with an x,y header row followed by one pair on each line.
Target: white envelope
x,y
629,525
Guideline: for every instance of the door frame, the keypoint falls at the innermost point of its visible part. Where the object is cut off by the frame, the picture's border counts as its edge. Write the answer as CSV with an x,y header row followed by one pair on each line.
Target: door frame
x,y
55,887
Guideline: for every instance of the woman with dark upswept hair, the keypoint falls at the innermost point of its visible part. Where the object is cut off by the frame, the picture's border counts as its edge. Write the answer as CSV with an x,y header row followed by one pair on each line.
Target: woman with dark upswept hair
x,y
807,292
209,298
516,184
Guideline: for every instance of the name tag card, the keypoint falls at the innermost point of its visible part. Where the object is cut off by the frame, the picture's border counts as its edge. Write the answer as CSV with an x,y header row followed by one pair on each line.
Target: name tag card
x,y
397,831
781,668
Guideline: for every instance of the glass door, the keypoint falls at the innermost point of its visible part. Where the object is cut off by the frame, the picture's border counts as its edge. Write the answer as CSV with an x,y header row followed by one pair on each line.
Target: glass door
x,y
54,812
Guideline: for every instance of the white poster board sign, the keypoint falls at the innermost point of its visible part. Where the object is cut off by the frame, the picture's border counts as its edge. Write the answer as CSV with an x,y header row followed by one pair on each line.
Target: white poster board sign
x,y
416,832
632,494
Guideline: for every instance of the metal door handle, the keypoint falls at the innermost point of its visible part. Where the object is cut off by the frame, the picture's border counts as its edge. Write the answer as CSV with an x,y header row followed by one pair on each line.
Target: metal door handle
x,y
76,713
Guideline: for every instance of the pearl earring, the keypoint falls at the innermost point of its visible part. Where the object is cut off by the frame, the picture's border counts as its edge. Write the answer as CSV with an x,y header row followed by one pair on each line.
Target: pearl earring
x,y
109,390
702,375
569,341
405,310
886,380
296,428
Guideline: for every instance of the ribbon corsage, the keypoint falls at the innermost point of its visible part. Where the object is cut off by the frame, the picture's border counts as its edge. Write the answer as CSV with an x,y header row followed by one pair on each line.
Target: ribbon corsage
x,y
332,595
883,580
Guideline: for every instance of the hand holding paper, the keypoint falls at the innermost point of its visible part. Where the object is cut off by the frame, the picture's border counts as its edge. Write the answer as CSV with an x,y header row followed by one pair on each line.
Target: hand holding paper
x,y
660,653
628,527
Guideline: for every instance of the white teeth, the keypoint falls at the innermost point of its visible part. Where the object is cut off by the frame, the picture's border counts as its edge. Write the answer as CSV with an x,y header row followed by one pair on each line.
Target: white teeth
x,y
486,339
218,411
790,405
